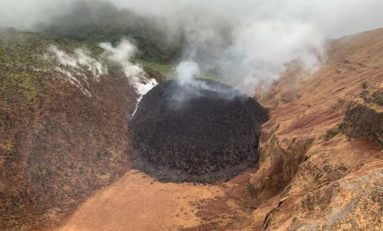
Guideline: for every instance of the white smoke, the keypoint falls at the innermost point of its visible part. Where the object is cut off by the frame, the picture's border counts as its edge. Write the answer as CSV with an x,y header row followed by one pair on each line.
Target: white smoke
x,y
188,75
186,72
333,18
25,14
247,43
79,61
256,54
122,54
76,67
261,50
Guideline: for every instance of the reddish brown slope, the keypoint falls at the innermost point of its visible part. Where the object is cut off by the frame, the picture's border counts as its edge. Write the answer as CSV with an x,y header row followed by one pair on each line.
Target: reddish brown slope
x,y
72,146
312,176
57,145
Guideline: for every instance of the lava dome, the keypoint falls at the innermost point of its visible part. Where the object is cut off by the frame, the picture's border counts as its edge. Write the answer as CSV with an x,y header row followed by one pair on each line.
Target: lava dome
x,y
203,131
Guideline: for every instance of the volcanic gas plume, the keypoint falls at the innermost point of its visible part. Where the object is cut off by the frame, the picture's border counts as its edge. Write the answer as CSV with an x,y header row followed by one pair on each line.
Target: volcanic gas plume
x,y
200,132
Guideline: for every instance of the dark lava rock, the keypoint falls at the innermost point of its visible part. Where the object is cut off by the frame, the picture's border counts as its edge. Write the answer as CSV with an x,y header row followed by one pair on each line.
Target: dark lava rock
x,y
201,132
364,117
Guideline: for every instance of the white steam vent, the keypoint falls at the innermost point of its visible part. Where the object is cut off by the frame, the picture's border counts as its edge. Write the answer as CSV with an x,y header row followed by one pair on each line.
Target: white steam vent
x,y
186,71
122,54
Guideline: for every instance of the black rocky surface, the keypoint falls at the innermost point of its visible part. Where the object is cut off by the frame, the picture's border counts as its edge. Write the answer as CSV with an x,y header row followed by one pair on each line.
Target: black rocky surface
x,y
201,132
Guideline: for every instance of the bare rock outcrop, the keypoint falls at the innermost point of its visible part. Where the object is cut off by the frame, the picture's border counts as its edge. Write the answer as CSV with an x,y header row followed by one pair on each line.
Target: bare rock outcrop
x,y
364,117
321,154
337,176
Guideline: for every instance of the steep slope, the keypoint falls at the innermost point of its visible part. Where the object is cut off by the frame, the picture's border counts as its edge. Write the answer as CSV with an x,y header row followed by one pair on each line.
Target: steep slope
x,y
321,166
314,176
62,136
61,139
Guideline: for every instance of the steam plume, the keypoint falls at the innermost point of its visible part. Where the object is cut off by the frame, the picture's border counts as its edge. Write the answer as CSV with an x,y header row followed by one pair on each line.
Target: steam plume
x,y
246,43
122,54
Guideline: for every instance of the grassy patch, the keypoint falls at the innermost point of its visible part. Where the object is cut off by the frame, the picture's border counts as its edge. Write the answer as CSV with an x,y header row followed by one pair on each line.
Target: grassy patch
x,y
22,66
167,70
100,21
163,69
211,76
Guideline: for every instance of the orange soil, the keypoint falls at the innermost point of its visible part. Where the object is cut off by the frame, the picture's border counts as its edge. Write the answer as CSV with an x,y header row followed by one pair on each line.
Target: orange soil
x,y
137,202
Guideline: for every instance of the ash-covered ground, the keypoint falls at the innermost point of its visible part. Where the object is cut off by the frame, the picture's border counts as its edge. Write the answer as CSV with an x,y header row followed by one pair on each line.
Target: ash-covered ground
x,y
200,132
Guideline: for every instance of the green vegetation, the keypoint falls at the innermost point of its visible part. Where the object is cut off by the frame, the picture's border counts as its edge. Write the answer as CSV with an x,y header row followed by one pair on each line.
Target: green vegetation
x,y
167,70
211,76
17,68
163,69
22,66
99,21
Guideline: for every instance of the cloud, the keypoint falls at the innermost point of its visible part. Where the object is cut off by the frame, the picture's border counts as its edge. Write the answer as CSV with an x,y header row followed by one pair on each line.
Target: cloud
x,y
335,18
248,43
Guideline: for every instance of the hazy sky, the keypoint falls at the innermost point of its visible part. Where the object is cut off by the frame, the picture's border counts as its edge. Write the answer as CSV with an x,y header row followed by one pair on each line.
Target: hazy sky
x,y
264,35
333,17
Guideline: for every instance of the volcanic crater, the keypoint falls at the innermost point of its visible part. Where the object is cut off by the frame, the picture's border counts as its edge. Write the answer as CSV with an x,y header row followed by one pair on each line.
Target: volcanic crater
x,y
203,131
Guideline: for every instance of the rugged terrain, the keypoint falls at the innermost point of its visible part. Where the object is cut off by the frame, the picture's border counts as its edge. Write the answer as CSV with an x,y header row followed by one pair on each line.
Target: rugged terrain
x,y
60,139
321,164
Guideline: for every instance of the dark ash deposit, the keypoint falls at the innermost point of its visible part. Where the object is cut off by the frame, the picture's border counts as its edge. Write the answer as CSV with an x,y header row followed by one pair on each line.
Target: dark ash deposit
x,y
200,132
